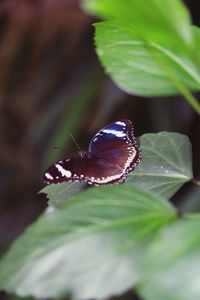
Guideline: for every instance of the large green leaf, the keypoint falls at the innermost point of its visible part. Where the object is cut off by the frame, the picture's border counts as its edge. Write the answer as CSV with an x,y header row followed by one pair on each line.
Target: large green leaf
x,y
173,265
89,249
148,49
142,67
161,22
166,163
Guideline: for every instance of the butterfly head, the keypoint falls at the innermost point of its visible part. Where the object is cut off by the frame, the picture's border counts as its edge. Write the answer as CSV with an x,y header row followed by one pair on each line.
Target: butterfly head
x,y
82,154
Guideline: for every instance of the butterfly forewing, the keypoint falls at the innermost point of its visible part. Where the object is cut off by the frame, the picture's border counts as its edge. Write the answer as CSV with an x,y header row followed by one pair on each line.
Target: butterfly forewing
x,y
117,144
112,153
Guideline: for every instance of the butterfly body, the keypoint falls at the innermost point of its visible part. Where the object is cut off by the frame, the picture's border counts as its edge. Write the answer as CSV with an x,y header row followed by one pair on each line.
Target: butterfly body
x,y
111,155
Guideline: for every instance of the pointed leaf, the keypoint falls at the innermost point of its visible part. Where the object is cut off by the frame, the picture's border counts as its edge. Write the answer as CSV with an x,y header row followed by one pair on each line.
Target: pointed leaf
x,y
166,163
161,22
143,67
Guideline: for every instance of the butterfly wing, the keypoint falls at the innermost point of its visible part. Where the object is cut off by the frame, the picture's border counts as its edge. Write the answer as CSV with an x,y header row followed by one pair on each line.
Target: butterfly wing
x,y
70,169
92,170
117,145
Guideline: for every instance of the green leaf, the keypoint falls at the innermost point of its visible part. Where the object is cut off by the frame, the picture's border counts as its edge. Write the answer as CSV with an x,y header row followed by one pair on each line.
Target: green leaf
x,y
141,66
172,269
89,249
58,194
163,23
166,163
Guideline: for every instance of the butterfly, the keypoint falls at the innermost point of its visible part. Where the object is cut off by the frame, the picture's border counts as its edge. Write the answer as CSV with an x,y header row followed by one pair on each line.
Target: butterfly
x,y
112,153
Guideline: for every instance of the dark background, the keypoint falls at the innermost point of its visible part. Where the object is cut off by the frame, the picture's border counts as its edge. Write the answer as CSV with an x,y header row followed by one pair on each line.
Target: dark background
x,y
51,82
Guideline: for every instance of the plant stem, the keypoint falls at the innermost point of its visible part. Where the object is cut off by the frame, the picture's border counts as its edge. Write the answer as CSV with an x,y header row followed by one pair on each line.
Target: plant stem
x,y
189,97
176,81
195,181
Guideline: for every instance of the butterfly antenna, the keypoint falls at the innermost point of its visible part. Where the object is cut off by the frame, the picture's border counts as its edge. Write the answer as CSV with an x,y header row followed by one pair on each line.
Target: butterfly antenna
x,y
57,148
77,145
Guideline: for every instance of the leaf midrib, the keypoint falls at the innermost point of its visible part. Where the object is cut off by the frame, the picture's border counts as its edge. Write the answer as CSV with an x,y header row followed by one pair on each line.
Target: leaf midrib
x,y
167,53
109,225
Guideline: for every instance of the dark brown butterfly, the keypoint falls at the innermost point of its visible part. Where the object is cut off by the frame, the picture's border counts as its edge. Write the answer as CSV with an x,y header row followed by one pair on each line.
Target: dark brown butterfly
x,y
111,155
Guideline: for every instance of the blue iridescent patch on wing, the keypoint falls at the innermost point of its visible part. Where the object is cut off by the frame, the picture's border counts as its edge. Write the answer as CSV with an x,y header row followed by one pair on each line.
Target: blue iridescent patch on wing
x,y
117,129
113,131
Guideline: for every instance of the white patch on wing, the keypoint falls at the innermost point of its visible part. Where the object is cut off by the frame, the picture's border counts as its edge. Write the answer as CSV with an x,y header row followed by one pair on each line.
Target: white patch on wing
x,y
63,172
49,209
120,123
131,157
114,132
95,139
108,179
48,176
